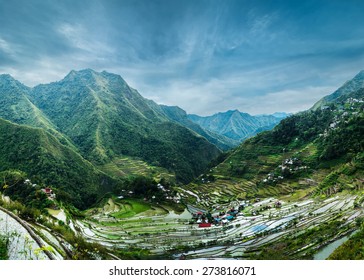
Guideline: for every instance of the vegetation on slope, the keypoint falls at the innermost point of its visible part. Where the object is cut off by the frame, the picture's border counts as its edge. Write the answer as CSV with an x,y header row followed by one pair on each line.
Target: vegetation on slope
x,y
105,118
44,158
3,248
16,107
344,91
178,115
353,249
320,151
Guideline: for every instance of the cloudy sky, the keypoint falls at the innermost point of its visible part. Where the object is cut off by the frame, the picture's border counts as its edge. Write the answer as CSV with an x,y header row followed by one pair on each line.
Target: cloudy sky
x,y
205,56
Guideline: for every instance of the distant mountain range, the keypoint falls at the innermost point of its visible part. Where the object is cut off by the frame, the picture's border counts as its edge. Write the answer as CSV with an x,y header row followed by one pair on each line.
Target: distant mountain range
x,y
237,126
180,116
321,148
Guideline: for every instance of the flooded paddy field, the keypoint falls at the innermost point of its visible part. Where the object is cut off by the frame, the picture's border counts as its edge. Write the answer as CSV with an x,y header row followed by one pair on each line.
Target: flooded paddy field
x,y
166,233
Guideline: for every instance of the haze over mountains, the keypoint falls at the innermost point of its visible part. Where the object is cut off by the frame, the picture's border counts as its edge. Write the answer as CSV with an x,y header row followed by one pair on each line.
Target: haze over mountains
x,y
236,125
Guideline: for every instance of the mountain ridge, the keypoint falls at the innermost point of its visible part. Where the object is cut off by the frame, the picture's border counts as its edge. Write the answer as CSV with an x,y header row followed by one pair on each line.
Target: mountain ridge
x,y
106,118
236,125
316,152
16,106
348,87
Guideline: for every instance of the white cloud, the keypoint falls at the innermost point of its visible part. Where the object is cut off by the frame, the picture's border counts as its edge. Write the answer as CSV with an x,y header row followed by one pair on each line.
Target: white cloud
x,y
8,48
261,24
295,100
4,46
81,38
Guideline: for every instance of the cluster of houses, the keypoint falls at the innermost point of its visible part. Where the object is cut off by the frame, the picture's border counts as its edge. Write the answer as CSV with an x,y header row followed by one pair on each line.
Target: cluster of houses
x,y
291,165
354,100
163,189
288,166
29,183
168,196
272,178
206,219
345,110
48,191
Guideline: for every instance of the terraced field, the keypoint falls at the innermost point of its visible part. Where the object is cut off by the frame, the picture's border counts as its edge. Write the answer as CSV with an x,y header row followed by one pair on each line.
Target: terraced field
x,y
167,234
129,224
125,166
244,176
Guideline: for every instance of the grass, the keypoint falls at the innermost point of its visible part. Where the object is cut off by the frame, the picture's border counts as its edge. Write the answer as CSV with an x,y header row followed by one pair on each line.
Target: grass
x,y
129,208
3,247
299,194
53,212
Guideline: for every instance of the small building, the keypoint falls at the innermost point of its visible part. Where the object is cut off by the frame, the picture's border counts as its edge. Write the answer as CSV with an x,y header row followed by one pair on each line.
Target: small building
x,y
49,192
204,225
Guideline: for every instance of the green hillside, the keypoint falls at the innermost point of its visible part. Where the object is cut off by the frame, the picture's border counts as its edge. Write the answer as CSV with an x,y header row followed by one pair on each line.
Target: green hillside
x,y
346,89
317,152
16,107
41,155
106,119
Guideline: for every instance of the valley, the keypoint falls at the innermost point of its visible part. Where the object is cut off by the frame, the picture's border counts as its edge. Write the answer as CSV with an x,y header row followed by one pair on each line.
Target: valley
x,y
157,231
244,237
126,178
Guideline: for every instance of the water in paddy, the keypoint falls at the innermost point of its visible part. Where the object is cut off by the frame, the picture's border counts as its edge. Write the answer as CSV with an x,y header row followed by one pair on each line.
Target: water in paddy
x,y
185,215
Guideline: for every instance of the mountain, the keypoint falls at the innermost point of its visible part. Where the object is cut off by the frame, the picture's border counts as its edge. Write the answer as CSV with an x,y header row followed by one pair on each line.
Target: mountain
x,y
16,107
40,154
350,86
178,115
316,152
236,125
106,119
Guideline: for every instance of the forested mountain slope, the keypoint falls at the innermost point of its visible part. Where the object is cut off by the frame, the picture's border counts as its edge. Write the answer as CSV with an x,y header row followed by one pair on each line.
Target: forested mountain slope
x,y
105,118
42,156
319,152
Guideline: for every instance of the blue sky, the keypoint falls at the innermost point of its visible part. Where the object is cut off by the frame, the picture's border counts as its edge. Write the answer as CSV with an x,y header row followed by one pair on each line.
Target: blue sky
x,y
204,56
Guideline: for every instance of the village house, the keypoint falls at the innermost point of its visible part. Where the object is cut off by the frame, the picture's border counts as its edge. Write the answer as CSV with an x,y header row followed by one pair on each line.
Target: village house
x,y
49,192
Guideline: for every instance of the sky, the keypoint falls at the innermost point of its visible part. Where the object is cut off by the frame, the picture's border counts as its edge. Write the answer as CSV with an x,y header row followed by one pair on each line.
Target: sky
x,y
205,56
